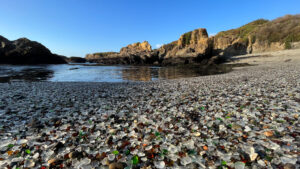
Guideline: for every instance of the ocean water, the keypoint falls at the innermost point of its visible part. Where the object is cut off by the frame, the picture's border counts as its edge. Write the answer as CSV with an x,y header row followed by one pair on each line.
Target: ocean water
x,y
95,73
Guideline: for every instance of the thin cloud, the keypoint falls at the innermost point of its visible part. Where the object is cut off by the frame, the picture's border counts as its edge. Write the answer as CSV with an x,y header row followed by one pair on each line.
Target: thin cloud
x,y
158,45
212,34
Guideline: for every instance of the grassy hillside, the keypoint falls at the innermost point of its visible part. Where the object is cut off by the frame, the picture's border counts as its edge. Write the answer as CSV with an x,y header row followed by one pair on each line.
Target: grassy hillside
x,y
284,29
245,31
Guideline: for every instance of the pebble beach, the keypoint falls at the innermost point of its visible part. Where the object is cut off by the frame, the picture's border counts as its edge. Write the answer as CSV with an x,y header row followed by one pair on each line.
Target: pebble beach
x,y
248,118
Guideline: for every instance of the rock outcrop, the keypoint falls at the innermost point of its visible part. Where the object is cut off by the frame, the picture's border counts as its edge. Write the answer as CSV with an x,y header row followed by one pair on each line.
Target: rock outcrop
x,y
136,53
197,47
24,51
194,46
95,56
135,48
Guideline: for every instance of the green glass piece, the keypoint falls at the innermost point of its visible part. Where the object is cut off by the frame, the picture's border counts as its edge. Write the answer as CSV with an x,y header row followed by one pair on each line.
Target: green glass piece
x,y
165,151
135,160
27,151
160,154
10,145
116,152
192,152
230,125
202,108
219,119
157,133
224,163
227,117
268,158
81,134
90,121
127,152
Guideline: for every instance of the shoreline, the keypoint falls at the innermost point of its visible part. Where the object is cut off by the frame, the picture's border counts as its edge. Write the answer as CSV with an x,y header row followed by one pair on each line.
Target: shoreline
x,y
247,117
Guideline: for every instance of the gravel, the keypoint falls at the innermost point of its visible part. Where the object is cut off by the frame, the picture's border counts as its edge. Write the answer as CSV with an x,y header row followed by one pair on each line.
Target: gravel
x,y
248,118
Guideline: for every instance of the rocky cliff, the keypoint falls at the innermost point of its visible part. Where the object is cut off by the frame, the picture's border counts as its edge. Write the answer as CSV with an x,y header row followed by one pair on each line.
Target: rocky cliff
x,y
197,47
136,53
136,48
24,51
193,46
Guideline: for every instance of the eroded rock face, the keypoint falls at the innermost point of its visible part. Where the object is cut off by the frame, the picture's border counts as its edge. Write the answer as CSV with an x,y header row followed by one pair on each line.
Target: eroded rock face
x,y
229,46
136,53
24,51
193,46
135,48
263,46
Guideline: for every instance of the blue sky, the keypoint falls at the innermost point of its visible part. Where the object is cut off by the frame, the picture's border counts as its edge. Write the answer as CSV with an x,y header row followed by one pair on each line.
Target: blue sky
x,y
78,27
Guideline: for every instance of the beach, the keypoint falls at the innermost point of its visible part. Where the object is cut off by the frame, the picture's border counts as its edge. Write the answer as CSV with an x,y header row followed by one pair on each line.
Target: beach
x,y
247,118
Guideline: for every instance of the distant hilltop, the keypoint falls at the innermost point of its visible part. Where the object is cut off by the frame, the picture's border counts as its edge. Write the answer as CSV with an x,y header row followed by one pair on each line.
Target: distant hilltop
x,y
197,47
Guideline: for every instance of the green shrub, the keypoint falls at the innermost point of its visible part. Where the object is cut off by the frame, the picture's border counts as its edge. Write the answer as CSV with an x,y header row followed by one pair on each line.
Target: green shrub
x,y
186,38
253,39
287,45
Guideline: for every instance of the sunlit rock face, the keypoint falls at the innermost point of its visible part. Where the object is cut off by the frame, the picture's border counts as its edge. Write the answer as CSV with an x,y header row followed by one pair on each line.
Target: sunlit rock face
x,y
136,48
192,46
136,53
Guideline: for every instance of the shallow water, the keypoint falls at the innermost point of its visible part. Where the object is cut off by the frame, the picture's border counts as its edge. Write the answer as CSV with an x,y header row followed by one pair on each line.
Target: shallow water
x,y
94,73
